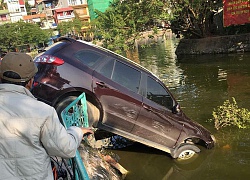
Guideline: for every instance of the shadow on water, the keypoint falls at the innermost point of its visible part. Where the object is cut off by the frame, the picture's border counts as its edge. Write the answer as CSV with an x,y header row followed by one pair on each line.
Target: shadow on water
x,y
200,84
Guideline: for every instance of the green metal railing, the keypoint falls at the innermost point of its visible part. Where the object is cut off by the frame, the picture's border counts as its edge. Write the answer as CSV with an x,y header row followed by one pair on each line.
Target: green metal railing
x,y
75,114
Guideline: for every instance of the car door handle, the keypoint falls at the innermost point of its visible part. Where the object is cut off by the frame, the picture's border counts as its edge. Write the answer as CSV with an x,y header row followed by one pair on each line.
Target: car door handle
x,y
102,84
147,107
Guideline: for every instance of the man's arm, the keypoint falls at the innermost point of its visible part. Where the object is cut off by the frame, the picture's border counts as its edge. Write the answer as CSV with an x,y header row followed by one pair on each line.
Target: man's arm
x,y
57,140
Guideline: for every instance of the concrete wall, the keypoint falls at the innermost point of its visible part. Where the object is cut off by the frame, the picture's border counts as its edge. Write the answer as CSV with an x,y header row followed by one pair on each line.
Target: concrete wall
x,y
214,45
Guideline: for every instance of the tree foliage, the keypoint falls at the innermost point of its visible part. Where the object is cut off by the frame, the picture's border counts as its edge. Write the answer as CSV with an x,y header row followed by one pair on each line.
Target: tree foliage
x,y
65,28
122,23
20,33
194,18
71,27
28,7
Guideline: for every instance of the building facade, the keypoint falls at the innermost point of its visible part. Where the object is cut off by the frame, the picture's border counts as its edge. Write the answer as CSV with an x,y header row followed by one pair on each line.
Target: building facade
x,y
16,9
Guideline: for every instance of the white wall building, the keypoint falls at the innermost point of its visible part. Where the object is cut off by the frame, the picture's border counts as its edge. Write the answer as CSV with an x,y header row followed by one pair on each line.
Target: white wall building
x,y
16,9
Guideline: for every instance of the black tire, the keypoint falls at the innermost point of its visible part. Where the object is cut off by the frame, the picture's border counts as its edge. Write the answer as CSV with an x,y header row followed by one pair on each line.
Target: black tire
x,y
186,152
93,111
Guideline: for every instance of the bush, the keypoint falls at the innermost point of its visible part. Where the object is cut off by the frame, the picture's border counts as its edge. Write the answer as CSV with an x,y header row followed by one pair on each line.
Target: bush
x,y
230,114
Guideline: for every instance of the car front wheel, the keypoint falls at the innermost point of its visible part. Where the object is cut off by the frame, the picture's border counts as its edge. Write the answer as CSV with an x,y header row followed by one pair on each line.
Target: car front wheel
x,y
186,151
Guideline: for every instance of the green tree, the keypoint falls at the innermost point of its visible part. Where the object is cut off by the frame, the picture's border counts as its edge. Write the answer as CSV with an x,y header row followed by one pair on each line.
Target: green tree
x,y
70,27
20,33
28,6
122,23
8,36
77,24
193,18
65,28
31,33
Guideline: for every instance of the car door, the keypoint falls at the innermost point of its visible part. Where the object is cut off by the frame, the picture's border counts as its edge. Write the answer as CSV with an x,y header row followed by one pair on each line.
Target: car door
x,y
156,121
116,85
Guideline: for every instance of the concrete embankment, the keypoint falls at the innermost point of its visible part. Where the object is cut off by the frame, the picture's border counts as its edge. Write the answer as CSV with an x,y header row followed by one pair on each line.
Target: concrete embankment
x,y
214,45
149,37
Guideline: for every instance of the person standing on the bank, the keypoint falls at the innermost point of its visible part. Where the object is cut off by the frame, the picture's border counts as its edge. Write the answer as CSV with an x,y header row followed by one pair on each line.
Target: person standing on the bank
x,y
30,130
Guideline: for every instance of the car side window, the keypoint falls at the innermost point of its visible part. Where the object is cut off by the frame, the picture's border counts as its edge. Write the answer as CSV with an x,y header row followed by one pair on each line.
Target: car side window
x,y
126,76
157,93
107,69
89,58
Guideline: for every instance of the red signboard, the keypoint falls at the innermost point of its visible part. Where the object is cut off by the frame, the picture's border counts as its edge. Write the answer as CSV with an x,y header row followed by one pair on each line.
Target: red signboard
x,y
236,12
21,2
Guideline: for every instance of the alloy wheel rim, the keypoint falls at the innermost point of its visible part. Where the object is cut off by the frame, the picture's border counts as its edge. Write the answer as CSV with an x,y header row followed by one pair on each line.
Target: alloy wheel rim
x,y
187,154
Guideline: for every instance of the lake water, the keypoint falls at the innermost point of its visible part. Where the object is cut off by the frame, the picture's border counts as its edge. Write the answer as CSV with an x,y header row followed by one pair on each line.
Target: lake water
x,y
200,84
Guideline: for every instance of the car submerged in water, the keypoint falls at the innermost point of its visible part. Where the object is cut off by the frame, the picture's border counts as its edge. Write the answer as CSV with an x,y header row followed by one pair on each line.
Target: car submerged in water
x,y
123,98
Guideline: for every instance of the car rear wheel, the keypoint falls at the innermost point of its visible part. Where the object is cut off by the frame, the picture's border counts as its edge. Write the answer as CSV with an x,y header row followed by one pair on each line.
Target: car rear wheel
x,y
186,151
93,111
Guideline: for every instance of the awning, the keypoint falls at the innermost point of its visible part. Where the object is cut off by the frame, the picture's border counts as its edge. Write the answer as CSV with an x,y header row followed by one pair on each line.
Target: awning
x,y
35,16
64,9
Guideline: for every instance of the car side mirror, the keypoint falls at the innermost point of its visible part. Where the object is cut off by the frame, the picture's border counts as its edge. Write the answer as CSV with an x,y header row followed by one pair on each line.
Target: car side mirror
x,y
176,109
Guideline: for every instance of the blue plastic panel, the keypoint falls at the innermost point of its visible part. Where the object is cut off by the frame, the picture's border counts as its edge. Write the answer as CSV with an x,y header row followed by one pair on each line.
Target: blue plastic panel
x,y
75,114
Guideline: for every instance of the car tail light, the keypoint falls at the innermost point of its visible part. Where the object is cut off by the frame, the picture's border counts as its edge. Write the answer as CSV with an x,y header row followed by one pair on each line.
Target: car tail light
x,y
48,59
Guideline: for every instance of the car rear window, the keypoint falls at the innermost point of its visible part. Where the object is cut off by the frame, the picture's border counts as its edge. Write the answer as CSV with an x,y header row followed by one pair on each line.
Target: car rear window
x,y
89,58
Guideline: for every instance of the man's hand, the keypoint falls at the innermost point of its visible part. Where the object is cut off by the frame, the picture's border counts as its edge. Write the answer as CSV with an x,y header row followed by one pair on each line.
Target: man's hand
x,y
86,131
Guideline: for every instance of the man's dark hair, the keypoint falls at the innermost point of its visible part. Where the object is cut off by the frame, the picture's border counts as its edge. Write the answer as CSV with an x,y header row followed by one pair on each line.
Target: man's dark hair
x,y
13,75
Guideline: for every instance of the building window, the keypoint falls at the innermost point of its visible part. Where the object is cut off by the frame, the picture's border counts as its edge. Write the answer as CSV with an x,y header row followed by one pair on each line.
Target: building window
x,y
22,9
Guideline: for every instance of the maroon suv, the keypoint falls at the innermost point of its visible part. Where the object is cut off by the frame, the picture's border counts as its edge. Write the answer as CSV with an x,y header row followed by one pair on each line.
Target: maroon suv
x,y
122,97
